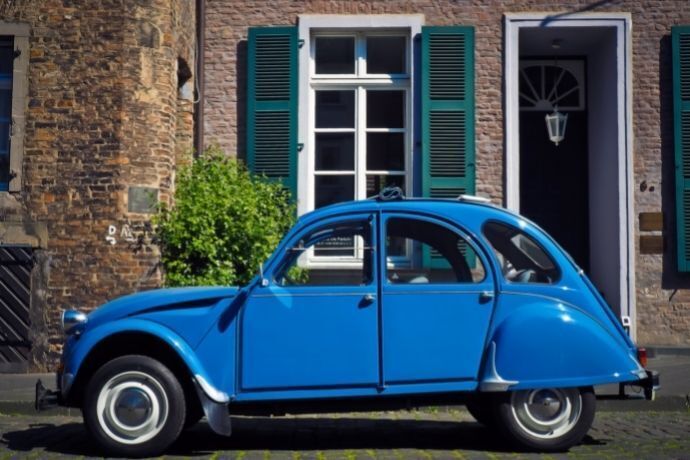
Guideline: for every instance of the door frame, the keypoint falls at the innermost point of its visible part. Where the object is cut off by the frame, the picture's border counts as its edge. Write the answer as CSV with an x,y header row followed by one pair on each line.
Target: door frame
x,y
622,23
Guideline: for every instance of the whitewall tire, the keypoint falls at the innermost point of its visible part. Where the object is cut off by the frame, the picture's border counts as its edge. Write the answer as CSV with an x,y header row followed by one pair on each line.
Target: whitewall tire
x,y
546,419
134,406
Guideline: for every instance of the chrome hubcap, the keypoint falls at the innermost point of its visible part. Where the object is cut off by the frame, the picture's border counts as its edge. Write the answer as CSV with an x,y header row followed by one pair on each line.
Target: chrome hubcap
x,y
545,405
547,413
132,407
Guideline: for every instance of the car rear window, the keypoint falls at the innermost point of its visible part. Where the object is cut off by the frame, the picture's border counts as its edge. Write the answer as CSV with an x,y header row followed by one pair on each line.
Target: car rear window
x,y
522,259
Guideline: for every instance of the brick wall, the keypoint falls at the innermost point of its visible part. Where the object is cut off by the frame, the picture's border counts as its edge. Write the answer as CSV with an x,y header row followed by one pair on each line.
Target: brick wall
x,y
663,296
102,115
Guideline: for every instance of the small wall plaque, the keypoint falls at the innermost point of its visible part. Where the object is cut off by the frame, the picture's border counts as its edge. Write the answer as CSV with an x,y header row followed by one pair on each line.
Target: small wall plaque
x,y
651,244
651,221
142,199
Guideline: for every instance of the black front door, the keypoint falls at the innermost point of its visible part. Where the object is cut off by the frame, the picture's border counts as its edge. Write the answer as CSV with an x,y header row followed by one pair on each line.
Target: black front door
x,y
15,287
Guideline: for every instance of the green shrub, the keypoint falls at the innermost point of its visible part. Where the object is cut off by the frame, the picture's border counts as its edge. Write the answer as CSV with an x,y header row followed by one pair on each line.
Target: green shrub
x,y
224,223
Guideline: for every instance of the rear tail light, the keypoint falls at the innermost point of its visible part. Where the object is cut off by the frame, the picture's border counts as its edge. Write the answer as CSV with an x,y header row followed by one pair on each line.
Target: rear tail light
x,y
642,356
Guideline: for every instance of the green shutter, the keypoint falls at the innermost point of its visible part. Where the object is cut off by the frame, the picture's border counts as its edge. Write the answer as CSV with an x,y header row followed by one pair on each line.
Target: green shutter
x,y
447,113
680,37
272,104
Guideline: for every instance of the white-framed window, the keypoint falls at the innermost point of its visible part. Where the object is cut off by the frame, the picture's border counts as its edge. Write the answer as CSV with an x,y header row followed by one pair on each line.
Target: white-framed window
x,y
355,111
14,61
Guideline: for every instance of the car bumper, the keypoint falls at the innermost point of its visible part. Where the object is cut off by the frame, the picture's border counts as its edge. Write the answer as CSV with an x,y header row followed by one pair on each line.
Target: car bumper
x,y
649,384
644,388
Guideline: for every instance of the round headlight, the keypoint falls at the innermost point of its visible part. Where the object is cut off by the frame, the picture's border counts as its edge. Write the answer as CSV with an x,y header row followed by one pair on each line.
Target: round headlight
x,y
72,320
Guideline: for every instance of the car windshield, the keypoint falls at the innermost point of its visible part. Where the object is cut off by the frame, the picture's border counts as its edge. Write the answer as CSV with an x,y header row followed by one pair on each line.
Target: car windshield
x,y
522,259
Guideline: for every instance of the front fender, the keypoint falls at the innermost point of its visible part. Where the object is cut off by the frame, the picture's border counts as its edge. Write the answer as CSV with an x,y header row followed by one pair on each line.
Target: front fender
x,y
82,346
548,344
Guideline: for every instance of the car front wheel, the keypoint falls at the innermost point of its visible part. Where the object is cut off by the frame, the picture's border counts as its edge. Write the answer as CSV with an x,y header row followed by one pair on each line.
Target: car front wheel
x,y
547,419
134,406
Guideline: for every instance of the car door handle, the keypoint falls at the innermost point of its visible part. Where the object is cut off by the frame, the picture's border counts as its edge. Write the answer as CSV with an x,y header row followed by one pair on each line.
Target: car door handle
x,y
486,296
367,300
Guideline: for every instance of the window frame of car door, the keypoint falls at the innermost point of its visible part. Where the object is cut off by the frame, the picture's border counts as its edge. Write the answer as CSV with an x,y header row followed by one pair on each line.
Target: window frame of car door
x,y
281,259
490,277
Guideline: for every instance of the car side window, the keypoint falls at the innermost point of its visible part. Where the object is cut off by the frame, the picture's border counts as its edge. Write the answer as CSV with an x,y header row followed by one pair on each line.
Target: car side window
x,y
435,254
522,259
332,242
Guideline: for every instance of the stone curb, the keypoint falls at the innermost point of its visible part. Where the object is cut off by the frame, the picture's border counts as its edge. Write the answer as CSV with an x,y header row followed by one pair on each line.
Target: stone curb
x,y
653,352
660,404
27,408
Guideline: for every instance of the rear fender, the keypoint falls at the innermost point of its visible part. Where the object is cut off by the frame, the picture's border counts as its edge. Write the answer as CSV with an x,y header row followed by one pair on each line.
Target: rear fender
x,y
552,344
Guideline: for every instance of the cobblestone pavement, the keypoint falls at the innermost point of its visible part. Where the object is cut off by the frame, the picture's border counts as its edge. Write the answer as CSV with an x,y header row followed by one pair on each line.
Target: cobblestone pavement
x,y
388,435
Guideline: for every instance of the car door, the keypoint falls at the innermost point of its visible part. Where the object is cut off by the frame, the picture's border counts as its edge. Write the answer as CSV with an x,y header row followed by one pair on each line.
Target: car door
x,y
312,326
437,301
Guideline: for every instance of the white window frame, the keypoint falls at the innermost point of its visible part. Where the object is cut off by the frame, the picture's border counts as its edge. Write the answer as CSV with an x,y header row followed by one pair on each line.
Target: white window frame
x,y
20,90
358,26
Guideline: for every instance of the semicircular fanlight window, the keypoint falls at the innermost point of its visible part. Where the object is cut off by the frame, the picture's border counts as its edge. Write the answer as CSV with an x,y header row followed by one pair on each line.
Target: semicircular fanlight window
x,y
545,85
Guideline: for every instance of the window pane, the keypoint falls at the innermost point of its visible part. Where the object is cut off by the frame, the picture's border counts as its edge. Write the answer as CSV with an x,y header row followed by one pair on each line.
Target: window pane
x,y
4,138
385,109
386,151
335,151
375,183
5,103
4,170
456,261
335,109
6,57
335,55
522,259
337,246
386,55
337,240
333,189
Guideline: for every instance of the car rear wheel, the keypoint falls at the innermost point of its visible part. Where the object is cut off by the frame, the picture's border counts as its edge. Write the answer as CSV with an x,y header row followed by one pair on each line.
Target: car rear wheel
x,y
546,419
134,406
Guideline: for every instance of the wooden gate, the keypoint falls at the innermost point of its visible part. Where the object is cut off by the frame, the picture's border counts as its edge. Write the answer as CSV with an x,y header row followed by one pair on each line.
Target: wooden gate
x,y
15,288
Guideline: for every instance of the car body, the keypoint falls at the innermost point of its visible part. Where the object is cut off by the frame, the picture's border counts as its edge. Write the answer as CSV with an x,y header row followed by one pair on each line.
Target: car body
x,y
433,298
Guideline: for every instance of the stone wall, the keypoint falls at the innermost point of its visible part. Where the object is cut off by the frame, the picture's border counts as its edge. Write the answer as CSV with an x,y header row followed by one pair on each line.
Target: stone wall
x,y
102,116
663,296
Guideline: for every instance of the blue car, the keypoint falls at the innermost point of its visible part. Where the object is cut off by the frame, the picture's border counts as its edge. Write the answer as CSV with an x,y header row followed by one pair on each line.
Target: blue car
x,y
382,303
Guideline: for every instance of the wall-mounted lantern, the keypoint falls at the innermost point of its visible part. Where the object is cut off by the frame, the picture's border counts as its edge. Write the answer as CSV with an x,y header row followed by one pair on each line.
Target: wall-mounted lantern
x,y
556,123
